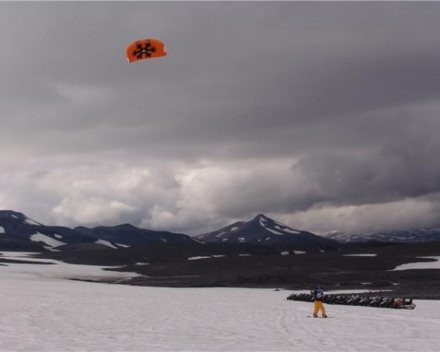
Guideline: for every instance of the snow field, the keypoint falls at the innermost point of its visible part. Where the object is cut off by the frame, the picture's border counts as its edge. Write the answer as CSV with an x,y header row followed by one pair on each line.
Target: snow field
x,y
43,313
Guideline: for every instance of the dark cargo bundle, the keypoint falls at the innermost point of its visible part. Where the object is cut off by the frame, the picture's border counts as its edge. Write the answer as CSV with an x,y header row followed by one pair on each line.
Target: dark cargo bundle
x,y
358,300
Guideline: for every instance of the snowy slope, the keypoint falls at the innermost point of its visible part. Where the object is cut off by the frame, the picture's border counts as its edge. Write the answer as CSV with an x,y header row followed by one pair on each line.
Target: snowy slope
x,y
45,313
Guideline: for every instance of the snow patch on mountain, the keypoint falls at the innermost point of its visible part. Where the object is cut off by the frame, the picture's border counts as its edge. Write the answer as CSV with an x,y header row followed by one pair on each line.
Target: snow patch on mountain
x,y
274,232
286,229
207,257
222,234
31,222
197,240
276,227
51,242
106,243
123,245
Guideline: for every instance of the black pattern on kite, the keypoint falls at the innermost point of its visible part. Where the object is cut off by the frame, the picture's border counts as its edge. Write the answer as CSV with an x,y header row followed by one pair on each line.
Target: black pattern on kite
x,y
142,50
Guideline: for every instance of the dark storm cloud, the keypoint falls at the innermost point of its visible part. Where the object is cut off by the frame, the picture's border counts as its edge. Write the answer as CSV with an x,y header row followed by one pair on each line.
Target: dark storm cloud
x,y
312,112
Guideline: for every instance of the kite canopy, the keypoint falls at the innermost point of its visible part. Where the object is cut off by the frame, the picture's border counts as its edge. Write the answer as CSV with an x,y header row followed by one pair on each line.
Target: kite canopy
x,y
145,49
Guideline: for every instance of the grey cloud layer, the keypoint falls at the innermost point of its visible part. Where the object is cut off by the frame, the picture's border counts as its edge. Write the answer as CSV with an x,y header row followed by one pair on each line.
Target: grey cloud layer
x,y
299,110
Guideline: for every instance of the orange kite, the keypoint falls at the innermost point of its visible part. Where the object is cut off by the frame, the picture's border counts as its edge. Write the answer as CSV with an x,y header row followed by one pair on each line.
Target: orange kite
x,y
145,49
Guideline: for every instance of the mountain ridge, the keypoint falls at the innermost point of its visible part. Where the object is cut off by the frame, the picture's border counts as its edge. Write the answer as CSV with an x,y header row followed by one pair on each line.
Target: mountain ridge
x,y
127,235
397,236
21,232
18,231
263,230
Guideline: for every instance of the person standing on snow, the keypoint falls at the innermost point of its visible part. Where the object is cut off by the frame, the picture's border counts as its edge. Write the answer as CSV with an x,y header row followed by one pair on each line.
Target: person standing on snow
x,y
318,296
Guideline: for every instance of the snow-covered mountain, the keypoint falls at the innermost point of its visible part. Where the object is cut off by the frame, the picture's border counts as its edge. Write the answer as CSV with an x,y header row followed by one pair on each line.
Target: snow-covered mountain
x,y
404,236
263,230
19,232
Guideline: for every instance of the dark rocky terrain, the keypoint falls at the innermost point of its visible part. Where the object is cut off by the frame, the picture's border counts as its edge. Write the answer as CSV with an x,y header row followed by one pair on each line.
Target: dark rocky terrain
x,y
217,265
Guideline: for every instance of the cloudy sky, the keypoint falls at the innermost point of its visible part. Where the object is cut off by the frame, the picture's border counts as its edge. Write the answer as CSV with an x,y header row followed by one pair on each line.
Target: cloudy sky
x,y
322,115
